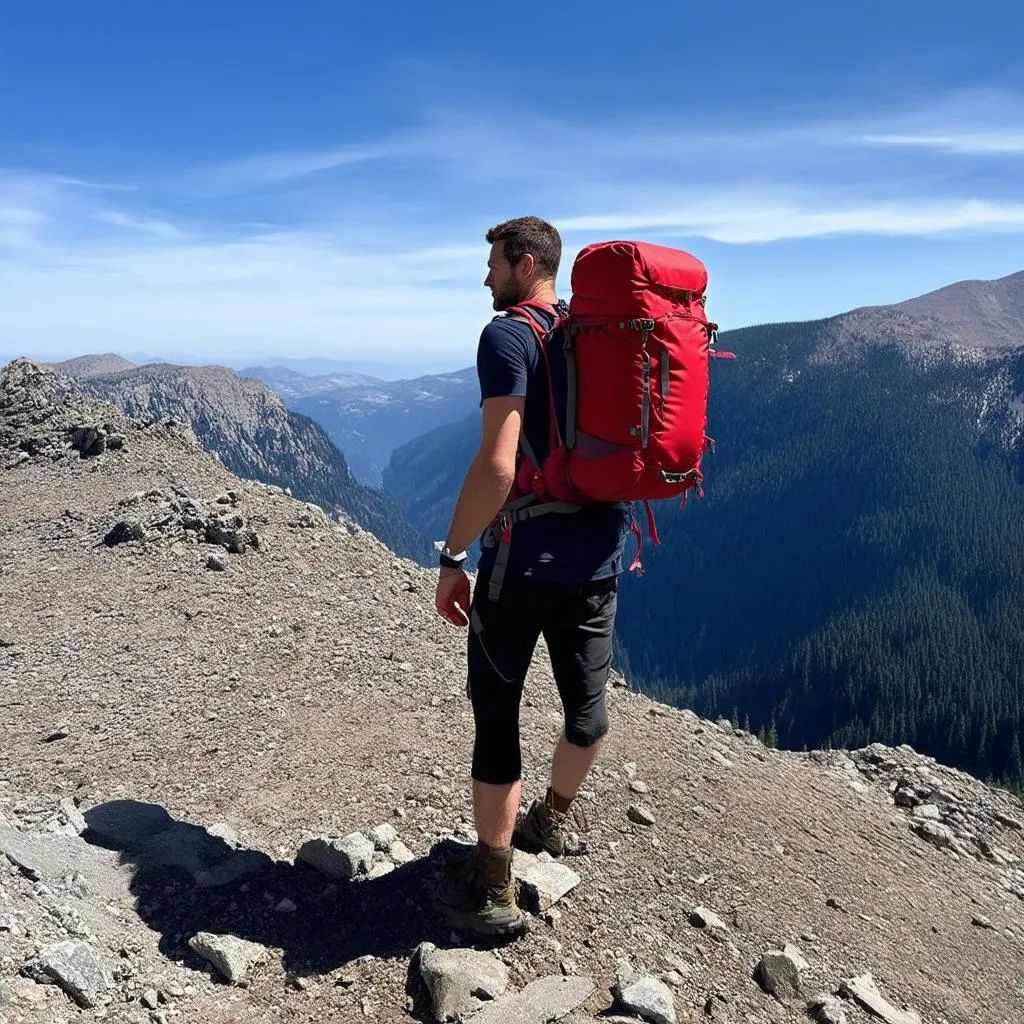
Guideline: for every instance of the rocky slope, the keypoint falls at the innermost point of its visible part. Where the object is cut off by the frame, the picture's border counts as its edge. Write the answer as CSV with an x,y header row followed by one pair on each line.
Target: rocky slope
x,y
250,430
199,674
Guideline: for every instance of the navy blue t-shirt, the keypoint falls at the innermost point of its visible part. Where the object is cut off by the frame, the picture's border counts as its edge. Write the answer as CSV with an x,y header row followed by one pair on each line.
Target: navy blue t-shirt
x,y
564,548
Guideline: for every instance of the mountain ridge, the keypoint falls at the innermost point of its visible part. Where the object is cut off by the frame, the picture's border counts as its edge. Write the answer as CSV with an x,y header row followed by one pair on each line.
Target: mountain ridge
x,y
256,435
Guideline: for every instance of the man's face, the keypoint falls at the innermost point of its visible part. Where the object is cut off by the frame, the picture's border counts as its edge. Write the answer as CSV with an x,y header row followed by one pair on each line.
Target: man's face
x,y
506,290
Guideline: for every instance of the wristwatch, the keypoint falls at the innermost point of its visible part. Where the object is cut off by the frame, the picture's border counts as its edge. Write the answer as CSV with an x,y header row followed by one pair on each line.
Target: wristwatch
x,y
450,561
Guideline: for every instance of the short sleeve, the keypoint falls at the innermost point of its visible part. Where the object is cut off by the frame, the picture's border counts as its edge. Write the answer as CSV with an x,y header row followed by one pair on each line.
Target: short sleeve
x,y
502,362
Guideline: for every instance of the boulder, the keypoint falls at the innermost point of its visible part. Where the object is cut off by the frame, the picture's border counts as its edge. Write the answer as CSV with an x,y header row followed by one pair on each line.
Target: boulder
x,y
460,980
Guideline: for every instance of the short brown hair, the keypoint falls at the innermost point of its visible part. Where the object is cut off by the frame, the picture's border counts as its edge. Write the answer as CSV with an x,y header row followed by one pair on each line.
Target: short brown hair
x,y
529,235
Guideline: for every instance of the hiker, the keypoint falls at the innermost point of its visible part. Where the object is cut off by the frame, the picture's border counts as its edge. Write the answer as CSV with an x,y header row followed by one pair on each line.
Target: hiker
x,y
560,581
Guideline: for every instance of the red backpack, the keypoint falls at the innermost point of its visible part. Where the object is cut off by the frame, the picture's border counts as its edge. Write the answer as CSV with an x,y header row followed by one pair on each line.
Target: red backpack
x,y
637,344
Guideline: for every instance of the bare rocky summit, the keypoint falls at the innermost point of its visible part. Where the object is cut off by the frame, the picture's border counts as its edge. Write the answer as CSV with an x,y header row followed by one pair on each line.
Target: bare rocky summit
x,y
94,365
171,738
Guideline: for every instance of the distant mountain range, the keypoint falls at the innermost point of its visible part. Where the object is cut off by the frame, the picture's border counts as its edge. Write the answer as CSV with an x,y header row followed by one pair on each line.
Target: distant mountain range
x,y
856,570
368,418
252,432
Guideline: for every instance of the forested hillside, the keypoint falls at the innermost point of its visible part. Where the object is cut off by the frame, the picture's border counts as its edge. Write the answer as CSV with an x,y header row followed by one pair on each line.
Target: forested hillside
x,y
855,572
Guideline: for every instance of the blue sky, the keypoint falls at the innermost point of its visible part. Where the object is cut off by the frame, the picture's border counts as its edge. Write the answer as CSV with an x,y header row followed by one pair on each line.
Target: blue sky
x,y
229,182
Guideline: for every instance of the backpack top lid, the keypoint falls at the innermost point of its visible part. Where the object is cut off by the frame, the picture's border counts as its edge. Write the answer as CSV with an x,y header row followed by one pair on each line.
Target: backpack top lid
x,y
636,279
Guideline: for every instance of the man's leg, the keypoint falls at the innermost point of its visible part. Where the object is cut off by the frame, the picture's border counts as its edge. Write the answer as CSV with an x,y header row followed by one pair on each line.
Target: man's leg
x,y
495,809
569,768
579,635
501,642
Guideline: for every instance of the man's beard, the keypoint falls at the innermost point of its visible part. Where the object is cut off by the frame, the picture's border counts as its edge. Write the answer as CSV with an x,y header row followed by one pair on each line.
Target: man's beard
x,y
508,296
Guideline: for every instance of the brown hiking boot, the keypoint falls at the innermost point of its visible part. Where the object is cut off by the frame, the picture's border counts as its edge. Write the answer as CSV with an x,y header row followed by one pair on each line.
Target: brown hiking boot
x,y
544,827
479,894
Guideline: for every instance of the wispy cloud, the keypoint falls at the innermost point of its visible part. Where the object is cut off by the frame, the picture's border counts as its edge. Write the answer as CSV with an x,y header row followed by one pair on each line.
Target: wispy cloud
x,y
988,143
160,228
283,166
744,220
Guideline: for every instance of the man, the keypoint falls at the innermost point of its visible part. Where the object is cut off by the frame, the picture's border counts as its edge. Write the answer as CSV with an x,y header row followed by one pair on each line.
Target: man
x,y
561,582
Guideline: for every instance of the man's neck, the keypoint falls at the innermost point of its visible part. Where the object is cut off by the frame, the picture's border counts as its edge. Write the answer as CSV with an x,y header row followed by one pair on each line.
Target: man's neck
x,y
542,291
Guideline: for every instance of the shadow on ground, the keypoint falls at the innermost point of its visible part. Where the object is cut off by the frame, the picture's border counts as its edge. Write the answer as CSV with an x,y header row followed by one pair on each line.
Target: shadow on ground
x,y
187,880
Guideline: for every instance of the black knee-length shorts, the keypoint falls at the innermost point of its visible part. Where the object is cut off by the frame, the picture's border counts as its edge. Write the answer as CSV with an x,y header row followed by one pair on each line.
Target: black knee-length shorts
x,y
577,622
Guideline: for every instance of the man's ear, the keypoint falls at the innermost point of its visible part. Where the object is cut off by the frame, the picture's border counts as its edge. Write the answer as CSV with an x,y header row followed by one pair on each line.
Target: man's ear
x,y
526,267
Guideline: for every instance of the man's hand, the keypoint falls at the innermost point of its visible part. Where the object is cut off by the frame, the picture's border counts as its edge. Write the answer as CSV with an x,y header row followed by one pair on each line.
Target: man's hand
x,y
451,599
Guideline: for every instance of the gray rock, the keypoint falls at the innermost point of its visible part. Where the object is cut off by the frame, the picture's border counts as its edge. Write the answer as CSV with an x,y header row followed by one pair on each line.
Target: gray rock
x,y
231,956
460,980
543,881
217,562
863,991
383,836
544,1000
380,869
649,998
79,969
400,853
73,815
778,975
150,999
639,815
940,836
124,532
927,812
980,921
795,954
826,1009
701,917
48,857
342,858
636,786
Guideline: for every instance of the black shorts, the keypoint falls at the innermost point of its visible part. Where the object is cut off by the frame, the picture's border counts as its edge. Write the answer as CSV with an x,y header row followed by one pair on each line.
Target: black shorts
x,y
577,621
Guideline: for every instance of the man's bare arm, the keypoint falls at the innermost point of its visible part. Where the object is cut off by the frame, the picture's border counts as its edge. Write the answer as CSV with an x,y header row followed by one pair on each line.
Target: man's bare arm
x,y
491,473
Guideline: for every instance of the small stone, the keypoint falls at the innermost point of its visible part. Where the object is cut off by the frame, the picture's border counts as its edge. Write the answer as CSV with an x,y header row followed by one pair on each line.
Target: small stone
x,y
863,991
701,917
636,786
286,906
150,999
940,836
74,816
172,990
400,853
980,921
929,812
231,956
459,980
795,954
648,998
544,1000
826,1009
380,869
217,563
60,733
78,969
342,858
383,836
543,881
778,975
639,815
